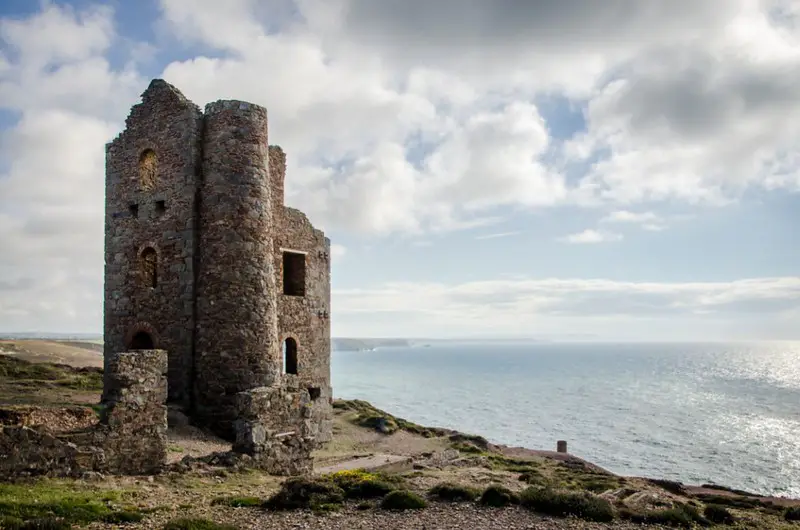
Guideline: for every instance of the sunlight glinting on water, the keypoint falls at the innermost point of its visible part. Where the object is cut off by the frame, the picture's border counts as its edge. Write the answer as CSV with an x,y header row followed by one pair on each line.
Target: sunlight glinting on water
x,y
728,414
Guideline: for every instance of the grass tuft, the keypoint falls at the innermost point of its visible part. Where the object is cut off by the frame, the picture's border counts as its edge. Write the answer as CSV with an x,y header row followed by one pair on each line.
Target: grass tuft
x,y
718,514
53,503
450,492
403,500
238,502
360,484
498,496
562,504
304,493
792,514
196,524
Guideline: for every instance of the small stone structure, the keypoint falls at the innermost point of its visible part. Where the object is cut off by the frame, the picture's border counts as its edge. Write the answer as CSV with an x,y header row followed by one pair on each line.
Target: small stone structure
x,y
130,438
217,300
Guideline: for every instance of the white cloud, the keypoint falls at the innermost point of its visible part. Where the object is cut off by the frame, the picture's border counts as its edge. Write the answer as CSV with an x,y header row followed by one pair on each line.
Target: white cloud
x,y
590,236
569,306
396,124
338,251
498,235
52,176
625,216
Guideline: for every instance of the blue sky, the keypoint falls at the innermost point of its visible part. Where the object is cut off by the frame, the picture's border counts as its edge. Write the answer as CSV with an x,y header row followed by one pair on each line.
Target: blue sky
x,y
479,174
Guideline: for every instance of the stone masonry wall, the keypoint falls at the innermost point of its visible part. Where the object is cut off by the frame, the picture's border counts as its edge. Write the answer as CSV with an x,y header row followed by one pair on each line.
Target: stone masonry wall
x,y
171,126
195,230
236,308
274,427
130,439
306,319
136,422
277,177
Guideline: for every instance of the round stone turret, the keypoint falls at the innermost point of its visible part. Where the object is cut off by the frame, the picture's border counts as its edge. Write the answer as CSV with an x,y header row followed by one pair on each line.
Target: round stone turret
x,y
237,327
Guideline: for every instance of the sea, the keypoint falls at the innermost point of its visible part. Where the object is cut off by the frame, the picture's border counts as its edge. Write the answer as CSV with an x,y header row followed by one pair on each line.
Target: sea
x,y
725,414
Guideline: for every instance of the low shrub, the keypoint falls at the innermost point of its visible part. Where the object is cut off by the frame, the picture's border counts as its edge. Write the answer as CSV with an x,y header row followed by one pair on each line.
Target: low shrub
x,y
403,500
498,496
196,524
671,486
680,516
792,514
561,504
360,484
302,493
450,492
718,514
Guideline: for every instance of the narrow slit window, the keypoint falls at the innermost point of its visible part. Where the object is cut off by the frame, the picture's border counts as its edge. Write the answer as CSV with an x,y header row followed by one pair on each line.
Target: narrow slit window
x,y
294,274
290,356
150,267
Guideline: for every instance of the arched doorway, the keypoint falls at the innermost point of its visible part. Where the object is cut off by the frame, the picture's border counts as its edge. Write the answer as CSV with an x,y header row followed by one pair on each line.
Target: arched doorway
x,y
290,356
141,341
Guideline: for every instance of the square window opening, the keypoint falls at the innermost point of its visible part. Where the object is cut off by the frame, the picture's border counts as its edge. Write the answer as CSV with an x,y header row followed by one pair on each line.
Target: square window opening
x,y
161,207
133,209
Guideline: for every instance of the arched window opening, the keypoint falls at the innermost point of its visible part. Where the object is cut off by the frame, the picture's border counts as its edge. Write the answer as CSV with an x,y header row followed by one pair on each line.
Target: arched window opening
x,y
150,267
290,356
141,341
148,167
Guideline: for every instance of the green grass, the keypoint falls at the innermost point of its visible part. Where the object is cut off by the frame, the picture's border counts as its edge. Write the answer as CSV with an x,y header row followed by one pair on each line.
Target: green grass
x,y
671,486
718,514
53,502
562,504
680,516
742,503
450,492
403,500
24,372
196,524
371,417
301,493
363,485
792,514
498,496
238,502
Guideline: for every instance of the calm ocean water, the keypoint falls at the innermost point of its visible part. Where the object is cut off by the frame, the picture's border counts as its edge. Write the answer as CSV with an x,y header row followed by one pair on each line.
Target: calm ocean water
x,y
722,413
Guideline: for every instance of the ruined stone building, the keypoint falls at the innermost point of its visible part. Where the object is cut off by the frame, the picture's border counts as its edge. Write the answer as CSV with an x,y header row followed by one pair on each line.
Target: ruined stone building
x,y
204,260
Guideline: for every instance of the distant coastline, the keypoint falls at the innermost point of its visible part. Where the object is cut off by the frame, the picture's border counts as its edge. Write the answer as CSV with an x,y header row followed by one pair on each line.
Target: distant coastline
x,y
337,343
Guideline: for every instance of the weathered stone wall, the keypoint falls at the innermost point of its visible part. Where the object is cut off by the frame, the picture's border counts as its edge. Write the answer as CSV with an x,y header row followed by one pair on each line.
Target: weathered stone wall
x,y
236,308
195,229
169,125
136,421
275,428
306,319
277,177
25,451
131,438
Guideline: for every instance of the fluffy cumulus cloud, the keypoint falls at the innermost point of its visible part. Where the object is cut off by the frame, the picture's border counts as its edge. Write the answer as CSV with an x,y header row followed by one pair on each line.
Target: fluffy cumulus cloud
x,y
412,117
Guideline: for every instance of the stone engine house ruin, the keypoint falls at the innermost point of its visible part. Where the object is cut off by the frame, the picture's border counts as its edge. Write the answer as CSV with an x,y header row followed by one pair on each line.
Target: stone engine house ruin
x,y
204,261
